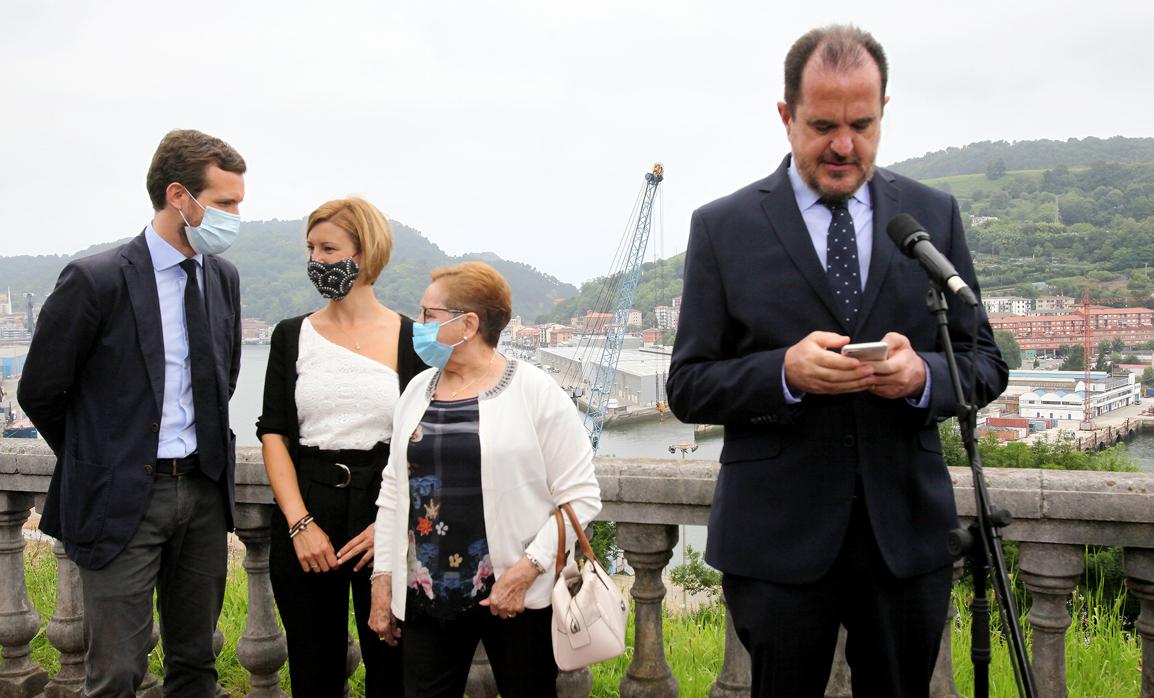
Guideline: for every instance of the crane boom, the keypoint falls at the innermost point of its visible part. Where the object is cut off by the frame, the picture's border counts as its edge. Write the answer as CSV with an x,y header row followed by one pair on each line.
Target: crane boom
x,y
606,375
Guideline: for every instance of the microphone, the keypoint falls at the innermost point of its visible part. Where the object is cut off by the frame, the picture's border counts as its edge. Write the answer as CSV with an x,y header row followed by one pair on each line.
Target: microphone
x,y
913,240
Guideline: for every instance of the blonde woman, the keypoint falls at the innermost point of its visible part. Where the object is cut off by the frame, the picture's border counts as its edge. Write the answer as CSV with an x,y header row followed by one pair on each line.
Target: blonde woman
x,y
488,447
333,380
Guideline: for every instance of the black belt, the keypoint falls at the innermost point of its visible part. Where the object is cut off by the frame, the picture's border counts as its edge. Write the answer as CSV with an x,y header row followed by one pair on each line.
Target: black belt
x,y
178,466
360,470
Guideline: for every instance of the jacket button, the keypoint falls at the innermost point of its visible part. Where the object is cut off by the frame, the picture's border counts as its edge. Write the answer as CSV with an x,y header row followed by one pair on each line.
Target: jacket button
x,y
847,441
148,469
155,427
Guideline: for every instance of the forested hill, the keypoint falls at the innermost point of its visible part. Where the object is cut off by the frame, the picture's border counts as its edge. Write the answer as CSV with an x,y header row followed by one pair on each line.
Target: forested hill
x,y
270,256
995,156
1062,229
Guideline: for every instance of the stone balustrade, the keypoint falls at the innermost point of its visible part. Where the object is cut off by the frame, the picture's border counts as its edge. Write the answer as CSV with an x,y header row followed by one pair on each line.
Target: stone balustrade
x,y
1056,514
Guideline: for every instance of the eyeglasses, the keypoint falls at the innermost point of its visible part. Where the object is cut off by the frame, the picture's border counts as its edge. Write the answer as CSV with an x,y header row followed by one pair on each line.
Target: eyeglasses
x,y
423,315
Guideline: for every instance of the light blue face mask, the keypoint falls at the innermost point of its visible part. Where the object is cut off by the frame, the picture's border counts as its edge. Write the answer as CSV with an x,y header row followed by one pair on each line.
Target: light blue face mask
x,y
216,232
432,351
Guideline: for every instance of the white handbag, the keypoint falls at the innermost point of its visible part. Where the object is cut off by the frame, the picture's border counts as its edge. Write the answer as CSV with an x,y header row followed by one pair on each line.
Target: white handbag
x,y
589,613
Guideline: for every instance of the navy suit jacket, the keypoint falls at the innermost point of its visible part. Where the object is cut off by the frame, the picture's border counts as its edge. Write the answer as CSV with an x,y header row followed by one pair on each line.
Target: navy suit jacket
x,y
753,288
93,384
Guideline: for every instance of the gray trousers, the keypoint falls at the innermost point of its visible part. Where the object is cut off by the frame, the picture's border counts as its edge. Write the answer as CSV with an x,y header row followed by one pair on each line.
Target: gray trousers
x,y
180,551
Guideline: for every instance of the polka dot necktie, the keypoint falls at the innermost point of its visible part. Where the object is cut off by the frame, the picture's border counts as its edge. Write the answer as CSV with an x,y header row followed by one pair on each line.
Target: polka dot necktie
x,y
841,265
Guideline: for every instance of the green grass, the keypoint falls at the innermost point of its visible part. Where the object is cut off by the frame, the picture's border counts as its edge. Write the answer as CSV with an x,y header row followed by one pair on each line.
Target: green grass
x,y
964,186
694,647
1102,657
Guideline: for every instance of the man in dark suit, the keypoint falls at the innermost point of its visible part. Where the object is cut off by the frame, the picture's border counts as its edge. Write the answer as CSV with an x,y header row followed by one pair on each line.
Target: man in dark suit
x,y
833,502
135,357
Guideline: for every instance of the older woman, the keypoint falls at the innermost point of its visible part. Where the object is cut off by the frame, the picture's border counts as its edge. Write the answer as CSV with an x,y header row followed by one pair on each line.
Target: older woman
x,y
465,531
333,379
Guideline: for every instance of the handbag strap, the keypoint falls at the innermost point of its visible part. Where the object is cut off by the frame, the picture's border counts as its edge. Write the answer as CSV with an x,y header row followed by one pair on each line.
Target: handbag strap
x,y
580,531
560,543
582,541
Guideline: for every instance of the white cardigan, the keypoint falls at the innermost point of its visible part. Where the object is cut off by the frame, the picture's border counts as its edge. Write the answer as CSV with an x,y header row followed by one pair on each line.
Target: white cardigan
x,y
535,456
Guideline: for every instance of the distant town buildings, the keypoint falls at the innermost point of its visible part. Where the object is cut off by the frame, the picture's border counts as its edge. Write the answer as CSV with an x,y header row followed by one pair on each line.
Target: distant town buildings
x,y
1012,305
667,316
1061,394
255,331
1048,332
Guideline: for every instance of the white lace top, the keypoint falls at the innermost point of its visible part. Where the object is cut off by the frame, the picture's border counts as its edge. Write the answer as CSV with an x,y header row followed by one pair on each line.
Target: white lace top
x,y
344,400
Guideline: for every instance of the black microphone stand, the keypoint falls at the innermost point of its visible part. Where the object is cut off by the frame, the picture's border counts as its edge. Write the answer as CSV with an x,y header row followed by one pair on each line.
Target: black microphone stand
x,y
981,541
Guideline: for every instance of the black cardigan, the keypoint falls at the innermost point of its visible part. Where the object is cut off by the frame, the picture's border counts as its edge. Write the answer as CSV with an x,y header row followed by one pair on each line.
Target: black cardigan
x,y
279,413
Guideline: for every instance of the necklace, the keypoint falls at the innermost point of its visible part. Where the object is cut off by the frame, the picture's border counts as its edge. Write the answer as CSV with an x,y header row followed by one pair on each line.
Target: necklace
x,y
356,345
468,385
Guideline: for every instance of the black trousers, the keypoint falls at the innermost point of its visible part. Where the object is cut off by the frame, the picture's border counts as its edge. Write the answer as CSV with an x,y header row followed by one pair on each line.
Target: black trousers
x,y
438,653
314,606
894,626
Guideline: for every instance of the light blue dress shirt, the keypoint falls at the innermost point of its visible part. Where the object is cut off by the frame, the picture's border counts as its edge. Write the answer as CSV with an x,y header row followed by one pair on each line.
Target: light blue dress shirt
x,y
817,217
177,415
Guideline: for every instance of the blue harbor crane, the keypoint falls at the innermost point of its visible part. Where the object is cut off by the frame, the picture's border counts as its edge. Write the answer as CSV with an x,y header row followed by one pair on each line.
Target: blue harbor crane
x,y
601,390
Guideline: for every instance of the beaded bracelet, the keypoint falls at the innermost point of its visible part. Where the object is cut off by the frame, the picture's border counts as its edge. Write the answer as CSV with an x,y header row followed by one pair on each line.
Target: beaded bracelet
x,y
300,525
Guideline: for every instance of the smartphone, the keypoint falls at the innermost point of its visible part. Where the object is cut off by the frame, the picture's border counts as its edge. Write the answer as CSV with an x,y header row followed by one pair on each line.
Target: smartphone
x,y
867,351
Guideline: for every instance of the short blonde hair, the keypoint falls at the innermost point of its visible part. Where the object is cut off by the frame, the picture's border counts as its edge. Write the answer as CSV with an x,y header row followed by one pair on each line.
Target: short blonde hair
x,y
368,227
478,288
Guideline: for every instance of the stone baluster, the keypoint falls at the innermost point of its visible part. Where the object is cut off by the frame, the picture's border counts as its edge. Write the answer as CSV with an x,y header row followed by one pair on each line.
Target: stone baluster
x,y
1139,567
1050,572
942,681
217,646
262,649
574,684
66,629
840,679
352,660
648,548
19,620
150,686
735,677
481,683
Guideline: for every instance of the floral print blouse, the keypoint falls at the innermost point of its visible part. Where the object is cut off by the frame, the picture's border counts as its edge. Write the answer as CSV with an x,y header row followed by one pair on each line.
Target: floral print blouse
x,y
449,570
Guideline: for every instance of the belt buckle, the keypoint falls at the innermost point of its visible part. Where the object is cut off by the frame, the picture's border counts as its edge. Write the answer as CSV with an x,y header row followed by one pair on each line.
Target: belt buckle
x,y
171,463
348,476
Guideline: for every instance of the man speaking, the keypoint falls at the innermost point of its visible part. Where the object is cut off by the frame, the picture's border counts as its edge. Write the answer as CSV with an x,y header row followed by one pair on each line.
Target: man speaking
x,y
833,501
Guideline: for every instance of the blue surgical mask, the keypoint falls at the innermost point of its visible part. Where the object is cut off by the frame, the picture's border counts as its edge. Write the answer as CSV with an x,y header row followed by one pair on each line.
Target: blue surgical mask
x,y
216,232
432,351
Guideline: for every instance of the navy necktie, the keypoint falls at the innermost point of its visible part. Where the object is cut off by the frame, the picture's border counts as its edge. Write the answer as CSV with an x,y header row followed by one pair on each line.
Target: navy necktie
x,y
841,263
209,440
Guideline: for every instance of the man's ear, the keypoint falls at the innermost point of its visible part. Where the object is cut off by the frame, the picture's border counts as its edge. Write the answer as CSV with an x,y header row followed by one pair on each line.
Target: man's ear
x,y
785,114
174,194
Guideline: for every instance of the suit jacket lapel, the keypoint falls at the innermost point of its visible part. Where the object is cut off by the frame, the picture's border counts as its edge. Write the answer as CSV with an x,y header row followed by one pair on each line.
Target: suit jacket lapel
x,y
787,225
886,199
140,278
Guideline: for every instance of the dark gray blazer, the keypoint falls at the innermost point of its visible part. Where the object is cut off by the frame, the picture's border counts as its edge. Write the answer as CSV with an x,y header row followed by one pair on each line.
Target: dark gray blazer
x,y
93,385
754,287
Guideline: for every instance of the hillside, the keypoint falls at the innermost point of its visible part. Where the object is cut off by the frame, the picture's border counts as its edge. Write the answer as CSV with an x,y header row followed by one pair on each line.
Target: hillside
x,y
270,256
1069,227
660,282
977,158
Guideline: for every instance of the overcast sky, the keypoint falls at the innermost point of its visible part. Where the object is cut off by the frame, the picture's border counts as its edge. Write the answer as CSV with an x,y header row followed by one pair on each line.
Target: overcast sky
x,y
521,128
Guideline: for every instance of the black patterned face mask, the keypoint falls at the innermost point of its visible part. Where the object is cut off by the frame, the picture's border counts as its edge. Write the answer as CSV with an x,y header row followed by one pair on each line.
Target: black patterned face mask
x,y
334,281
